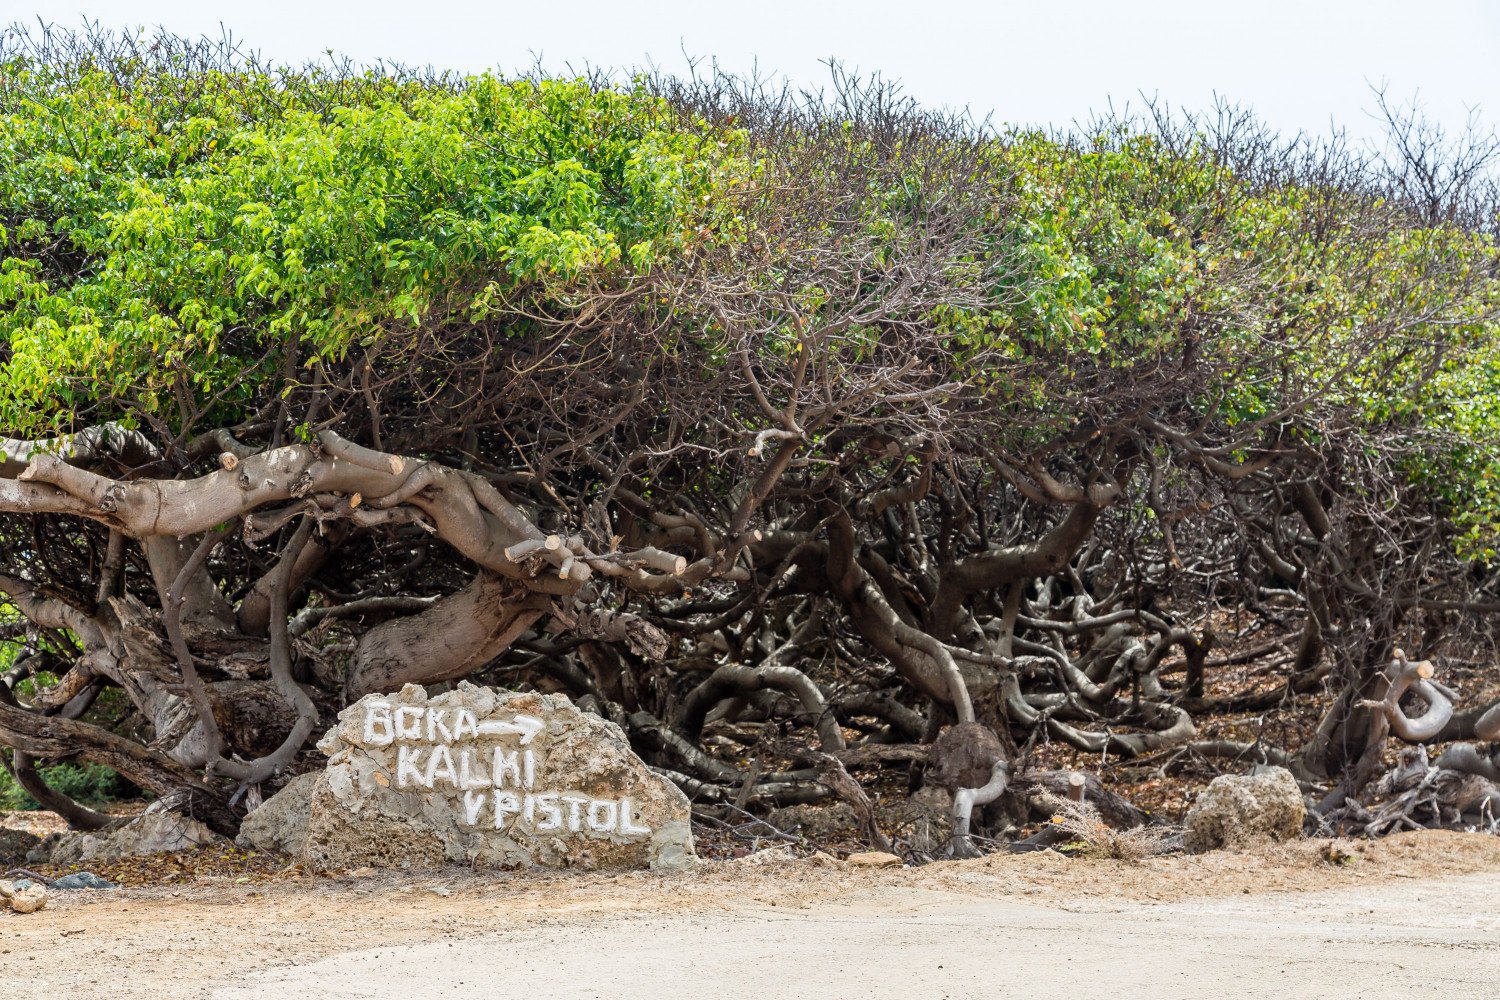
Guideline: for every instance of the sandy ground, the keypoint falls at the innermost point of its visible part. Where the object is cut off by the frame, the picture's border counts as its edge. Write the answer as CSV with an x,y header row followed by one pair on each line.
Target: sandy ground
x,y
1416,915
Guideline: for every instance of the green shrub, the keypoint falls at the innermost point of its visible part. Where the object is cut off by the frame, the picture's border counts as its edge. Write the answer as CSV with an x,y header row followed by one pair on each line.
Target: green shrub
x,y
90,784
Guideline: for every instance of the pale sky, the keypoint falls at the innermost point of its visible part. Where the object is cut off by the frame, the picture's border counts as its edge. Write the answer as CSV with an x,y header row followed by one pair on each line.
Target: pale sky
x,y
1299,64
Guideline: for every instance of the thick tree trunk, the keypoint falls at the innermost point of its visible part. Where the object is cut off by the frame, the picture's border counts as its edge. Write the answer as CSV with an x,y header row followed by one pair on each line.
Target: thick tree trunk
x,y
452,639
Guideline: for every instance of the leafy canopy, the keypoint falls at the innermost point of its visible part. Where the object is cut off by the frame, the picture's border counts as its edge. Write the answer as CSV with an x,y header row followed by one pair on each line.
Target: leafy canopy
x,y
172,238
149,233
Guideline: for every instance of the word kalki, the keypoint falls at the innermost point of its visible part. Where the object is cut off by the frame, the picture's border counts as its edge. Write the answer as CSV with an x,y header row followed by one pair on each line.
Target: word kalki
x,y
486,780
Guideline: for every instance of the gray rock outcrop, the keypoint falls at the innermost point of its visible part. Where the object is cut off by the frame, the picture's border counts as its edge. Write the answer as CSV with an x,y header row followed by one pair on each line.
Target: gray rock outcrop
x,y
156,830
491,779
1236,809
280,823
79,881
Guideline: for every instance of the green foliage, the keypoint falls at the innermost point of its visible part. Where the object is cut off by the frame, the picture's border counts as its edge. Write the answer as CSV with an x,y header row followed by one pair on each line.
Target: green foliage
x,y
1134,255
1131,249
174,240
90,784
151,231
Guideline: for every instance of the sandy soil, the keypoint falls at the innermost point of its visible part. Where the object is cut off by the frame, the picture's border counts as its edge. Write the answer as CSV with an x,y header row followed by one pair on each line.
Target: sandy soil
x,y
1412,916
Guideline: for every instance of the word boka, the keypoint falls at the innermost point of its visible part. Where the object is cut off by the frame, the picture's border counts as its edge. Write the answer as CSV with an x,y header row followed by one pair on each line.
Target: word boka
x,y
498,785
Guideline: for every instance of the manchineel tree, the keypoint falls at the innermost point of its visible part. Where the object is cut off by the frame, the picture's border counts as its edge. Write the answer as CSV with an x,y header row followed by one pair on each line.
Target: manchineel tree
x,y
826,433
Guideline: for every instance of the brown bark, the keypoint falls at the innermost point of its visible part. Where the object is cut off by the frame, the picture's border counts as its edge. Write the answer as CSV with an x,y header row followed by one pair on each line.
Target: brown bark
x,y
43,736
452,639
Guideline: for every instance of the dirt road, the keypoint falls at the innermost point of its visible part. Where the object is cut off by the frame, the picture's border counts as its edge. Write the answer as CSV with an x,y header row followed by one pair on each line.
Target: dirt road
x,y
1428,939
1411,917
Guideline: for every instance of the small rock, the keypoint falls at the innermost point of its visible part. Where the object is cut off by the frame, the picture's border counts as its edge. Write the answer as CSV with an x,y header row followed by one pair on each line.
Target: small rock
x,y
29,899
363,871
440,890
874,859
767,856
822,860
1235,809
1335,854
83,880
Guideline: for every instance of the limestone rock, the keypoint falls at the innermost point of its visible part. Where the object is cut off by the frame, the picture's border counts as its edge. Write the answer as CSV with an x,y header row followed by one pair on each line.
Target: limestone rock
x,y
280,823
156,830
490,779
767,856
874,859
25,899
1235,809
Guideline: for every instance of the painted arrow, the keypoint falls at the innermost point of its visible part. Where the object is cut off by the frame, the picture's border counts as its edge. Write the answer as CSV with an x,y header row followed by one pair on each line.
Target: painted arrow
x,y
527,725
